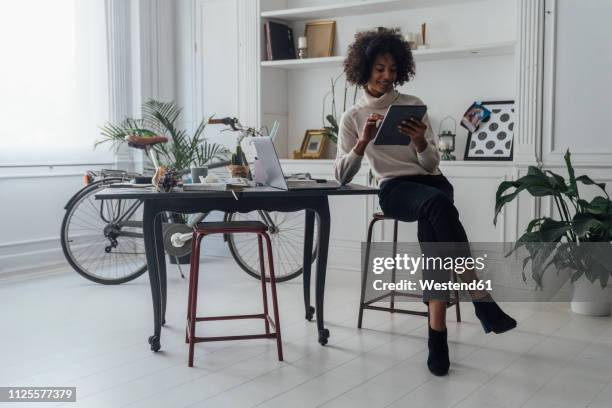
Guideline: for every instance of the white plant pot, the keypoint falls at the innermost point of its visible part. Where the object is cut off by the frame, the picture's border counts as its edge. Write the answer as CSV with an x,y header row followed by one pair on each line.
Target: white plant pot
x,y
589,299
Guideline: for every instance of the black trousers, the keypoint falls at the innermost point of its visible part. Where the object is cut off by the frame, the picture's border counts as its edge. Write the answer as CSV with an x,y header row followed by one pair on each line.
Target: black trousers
x,y
429,200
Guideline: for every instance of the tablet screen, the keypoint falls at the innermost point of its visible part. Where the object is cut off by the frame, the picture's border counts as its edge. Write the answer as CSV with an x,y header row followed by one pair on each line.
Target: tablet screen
x,y
388,133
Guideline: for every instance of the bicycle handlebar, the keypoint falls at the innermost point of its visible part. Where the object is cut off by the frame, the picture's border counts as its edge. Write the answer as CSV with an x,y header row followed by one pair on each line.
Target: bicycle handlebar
x,y
231,122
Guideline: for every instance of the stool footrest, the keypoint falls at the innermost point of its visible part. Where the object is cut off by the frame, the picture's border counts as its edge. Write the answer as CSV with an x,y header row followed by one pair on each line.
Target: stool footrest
x,y
231,317
237,317
223,227
386,295
394,310
240,337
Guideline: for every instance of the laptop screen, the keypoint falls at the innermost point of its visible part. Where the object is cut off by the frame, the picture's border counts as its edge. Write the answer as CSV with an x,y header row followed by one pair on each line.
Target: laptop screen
x,y
269,164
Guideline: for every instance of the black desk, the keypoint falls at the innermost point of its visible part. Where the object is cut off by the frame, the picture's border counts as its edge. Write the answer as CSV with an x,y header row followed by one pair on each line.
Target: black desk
x,y
315,202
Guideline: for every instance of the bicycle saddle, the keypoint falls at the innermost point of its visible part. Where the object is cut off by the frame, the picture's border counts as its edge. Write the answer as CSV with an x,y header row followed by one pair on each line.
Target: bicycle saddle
x,y
141,141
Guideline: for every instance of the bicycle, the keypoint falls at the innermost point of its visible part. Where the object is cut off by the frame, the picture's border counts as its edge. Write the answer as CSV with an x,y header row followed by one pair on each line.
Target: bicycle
x,y
102,239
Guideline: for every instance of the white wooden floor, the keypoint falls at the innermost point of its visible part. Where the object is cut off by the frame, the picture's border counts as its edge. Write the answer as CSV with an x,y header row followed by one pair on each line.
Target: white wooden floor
x,y
65,331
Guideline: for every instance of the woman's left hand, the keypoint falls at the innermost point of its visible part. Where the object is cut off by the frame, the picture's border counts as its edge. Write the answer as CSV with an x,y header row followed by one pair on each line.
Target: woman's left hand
x,y
415,129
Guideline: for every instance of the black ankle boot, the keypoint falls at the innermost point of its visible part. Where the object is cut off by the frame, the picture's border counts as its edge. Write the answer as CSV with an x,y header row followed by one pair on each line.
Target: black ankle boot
x,y
492,317
437,361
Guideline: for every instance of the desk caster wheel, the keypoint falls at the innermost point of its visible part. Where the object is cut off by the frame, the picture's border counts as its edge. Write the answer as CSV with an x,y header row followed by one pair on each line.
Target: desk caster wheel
x,y
155,343
310,313
323,336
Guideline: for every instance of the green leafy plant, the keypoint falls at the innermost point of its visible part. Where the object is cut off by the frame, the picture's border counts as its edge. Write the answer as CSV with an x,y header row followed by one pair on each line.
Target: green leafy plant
x,y
557,242
330,120
161,118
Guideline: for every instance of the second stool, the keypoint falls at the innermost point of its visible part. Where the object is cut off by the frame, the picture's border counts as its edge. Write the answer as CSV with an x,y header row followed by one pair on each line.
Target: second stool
x,y
363,304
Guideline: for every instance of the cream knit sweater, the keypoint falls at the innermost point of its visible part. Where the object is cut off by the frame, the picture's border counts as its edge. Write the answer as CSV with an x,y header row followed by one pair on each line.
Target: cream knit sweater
x,y
387,161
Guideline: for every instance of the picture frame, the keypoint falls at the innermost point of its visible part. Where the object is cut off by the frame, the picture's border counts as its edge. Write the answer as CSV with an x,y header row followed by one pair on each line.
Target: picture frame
x,y
320,38
493,140
313,144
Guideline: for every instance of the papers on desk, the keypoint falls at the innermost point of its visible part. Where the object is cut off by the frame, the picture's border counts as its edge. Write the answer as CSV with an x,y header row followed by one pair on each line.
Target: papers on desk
x,y
221,186
130,185
232,183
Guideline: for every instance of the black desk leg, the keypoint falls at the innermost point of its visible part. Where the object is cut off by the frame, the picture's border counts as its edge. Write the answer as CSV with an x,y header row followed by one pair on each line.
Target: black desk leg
x,y
149,232
324,227
161,265
308,238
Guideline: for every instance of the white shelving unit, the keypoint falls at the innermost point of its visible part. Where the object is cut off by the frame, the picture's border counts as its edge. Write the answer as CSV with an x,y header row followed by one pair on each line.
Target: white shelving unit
x,y
431,54
471,57
350,9
479,50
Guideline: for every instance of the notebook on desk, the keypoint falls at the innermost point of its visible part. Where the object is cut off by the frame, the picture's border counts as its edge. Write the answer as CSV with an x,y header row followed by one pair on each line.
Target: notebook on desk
x,y
271,174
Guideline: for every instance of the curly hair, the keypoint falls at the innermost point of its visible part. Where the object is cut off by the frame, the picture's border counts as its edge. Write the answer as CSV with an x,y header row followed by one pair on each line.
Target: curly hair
x,y
368,45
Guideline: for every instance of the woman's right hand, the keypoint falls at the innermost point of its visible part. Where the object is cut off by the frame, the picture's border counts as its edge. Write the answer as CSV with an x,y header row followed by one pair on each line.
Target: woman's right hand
x,y
368,133
369,129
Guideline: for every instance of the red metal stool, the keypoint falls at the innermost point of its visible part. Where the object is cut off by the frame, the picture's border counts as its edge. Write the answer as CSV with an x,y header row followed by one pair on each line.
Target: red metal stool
x,y
392,294
209,228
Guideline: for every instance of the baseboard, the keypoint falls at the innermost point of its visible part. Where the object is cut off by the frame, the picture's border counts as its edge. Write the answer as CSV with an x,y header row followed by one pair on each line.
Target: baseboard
x,y
31,256
45,256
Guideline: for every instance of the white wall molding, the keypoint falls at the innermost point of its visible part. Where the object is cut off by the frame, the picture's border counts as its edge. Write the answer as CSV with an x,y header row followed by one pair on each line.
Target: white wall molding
x,y
528,61
119,56
40,175
157,57
558,43
22,251
118,23
51,165
248,62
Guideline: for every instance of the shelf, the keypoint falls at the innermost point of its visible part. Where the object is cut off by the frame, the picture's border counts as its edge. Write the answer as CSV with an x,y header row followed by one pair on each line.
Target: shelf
x,y
351,9
305,63
443,163
432,54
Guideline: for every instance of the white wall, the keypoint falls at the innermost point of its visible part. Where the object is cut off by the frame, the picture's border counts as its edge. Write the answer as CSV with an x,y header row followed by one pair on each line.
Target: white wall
x,y
55,94
32,206
39,189
578,82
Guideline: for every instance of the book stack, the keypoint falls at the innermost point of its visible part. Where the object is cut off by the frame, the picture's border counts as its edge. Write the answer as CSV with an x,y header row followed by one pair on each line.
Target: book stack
x,y
279,41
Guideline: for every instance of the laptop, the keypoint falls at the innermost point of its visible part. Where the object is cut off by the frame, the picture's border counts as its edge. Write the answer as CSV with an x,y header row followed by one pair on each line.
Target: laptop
x,y
268,170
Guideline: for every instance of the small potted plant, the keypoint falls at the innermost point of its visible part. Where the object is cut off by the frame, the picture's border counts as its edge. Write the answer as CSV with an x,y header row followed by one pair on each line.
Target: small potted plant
x,y
578,241
238,166
331,118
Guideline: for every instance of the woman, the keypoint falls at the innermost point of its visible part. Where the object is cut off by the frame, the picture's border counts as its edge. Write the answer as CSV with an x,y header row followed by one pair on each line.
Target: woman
x,y
412,188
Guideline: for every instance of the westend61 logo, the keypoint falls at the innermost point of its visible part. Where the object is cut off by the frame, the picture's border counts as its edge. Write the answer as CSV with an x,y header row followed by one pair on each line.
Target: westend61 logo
x,y
405,263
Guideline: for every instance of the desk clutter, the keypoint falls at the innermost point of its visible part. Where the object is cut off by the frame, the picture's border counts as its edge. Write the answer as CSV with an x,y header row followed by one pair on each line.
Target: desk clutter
x,y
213,183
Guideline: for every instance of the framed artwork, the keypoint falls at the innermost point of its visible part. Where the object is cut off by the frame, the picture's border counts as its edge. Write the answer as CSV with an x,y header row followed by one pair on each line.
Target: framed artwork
x,y
320,38
313,144
493,138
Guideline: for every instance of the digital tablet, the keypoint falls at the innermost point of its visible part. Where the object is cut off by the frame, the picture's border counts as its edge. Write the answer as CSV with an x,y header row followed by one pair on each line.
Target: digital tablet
x,y
388,133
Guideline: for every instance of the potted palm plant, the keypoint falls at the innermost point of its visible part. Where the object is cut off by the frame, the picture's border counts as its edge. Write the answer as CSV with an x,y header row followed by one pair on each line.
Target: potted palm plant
x,y
578,241
182,150
161,119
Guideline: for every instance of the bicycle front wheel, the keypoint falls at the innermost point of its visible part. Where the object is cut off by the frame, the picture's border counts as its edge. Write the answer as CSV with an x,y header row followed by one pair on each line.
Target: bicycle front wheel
x,y
102,239
287,236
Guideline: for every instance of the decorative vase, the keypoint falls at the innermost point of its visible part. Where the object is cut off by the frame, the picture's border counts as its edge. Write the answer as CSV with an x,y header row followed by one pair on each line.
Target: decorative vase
x,y
329,150
588,298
